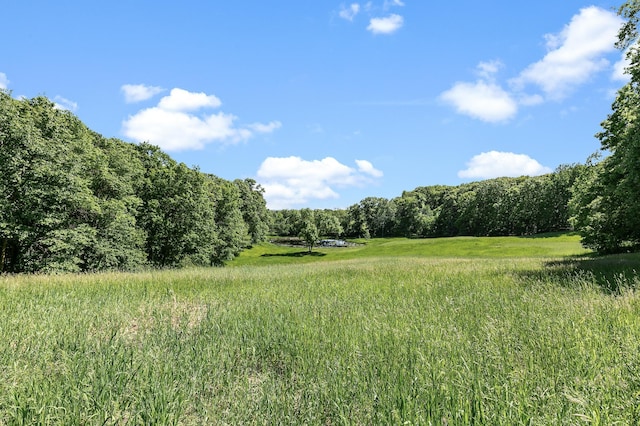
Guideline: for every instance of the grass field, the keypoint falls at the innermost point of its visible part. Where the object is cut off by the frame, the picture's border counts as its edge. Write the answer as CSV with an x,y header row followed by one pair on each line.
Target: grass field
x,y
544,245
456,331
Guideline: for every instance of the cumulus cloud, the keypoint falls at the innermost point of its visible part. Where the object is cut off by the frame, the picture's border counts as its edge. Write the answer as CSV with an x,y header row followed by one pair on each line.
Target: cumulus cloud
x,y
483,100
64,104
386,25
182,100
575,54
174,125
139,92
350,12
291,181
493,164
366,167
4,81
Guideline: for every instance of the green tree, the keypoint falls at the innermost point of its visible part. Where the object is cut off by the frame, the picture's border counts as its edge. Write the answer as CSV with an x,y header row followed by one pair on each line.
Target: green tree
x,y
254,209
379,215
113,171
54,215
414,216
166,210
447,219
308,229
356,222
328,223
232,230
586,210
284,222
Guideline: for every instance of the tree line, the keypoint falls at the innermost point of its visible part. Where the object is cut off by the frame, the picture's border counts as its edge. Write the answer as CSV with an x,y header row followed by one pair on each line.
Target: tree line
x,y
75,201
503,206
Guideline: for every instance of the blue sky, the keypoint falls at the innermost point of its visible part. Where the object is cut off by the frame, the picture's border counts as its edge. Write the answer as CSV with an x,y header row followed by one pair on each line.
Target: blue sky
x,y
325,103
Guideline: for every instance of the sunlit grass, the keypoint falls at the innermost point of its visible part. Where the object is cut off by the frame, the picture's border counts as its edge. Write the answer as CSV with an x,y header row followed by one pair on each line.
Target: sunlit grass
x,y
381,340
467,247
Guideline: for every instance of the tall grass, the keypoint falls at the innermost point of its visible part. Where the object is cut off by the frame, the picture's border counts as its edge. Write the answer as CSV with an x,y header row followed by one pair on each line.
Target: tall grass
x,y
385,340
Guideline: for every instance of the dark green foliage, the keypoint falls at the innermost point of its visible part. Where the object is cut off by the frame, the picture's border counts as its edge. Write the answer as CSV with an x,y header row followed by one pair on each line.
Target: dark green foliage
x,y
503,206
254,209
73,201
379,214
414,217
357,225
178,212
507,206
284,222
62,210
232,236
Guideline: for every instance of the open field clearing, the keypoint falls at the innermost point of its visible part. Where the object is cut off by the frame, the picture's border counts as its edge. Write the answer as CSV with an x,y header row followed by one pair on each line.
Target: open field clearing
x,y
545,245
511,336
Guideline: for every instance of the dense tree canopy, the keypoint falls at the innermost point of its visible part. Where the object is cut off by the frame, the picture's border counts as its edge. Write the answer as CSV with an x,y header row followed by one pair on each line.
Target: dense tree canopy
x,y
75,201
503,206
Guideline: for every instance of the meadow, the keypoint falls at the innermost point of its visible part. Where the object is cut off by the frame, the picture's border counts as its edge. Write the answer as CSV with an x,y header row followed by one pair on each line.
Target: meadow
x,y
393,331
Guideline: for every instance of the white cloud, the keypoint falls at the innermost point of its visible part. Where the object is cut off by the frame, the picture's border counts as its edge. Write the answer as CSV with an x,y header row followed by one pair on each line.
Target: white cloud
x,y
619,69
575,54
174,126
387,25
64,104
530,100
350,12
175,131
4,81
291,181
495,164
265,128
366,167
182,100
139,92
483,100
487,70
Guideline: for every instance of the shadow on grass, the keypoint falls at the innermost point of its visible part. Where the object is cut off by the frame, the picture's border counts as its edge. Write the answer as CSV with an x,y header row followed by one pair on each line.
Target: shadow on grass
x,y
613,274
296,254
